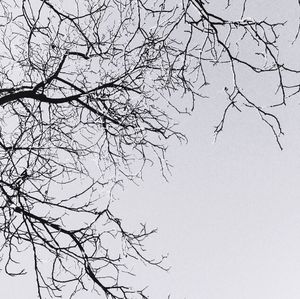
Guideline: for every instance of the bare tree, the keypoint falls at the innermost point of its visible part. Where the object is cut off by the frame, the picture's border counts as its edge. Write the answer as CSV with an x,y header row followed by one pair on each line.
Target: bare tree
x,y
88,91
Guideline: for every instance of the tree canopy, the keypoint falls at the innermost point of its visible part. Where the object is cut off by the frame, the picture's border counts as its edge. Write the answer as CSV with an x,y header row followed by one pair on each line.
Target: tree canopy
x,y
89,92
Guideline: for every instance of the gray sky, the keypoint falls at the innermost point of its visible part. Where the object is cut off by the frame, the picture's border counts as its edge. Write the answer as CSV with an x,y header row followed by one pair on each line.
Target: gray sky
x,y
229,215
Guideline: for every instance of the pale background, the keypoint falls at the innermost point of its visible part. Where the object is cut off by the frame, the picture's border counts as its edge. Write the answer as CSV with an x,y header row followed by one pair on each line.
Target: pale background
x,y
229,215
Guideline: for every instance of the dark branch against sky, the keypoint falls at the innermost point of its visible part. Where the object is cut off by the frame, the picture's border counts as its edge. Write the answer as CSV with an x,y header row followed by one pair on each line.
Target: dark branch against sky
x,y
90,98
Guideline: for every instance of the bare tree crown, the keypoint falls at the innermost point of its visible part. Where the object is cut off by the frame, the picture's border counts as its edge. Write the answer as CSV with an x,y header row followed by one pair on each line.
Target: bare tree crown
x,y
88,91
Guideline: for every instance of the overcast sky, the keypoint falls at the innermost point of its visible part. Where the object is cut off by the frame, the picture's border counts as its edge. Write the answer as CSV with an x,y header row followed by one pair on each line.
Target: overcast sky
x,y
229,217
